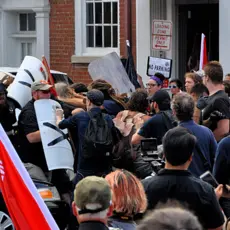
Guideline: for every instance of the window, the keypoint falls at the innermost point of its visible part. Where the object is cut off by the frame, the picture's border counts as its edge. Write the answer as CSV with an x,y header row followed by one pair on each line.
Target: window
x,y
96,27
101,23
26,49
27,22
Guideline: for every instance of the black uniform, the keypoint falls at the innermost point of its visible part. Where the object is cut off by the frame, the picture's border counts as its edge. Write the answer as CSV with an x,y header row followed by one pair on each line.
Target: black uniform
x,y
192,192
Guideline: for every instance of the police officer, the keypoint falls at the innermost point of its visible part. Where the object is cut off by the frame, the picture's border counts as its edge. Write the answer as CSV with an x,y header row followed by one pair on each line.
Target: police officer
x,y
31,145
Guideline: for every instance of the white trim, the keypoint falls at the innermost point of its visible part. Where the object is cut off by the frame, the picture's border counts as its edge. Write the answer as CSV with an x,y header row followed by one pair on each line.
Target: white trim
x,y
24,35
80,41
172,14
78,27
26,8
224,34
143,34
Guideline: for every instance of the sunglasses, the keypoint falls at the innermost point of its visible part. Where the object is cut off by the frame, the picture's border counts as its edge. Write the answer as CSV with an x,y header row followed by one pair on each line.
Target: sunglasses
x,y
151,85
172,87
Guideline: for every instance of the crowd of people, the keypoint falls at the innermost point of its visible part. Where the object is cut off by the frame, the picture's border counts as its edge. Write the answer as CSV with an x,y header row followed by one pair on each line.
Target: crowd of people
x,y
115,186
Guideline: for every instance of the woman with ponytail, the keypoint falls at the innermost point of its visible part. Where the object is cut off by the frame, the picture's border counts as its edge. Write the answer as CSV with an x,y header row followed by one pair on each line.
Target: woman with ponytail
x,y
113,104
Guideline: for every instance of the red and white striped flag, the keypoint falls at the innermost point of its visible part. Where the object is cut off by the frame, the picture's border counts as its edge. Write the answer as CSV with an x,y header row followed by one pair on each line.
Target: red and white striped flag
x,y
50,77
203,52
26,207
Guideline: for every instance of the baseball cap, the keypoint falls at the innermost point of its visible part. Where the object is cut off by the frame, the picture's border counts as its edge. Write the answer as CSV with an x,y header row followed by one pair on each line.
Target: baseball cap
x,y
160,97
40,85
92,195
95,96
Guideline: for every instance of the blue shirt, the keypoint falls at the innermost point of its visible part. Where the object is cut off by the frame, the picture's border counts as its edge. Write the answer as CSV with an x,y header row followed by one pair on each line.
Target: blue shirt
x,y
207,144
222,162
80,122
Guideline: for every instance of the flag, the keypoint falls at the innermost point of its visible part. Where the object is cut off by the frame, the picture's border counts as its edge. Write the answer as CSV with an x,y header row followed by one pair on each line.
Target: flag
x,y
203,52
50,77
130,68
26,207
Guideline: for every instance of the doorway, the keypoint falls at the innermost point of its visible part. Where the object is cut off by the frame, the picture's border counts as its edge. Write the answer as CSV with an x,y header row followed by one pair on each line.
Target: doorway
x,y
193,21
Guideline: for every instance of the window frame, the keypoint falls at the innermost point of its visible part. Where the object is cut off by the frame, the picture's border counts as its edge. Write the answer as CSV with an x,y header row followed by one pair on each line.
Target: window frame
x,y
27,23
26,41
80,32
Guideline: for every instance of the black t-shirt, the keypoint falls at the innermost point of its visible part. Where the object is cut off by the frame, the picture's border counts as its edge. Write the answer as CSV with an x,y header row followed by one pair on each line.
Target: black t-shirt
x,y
88,225
192,192
156,126
30,152
219,101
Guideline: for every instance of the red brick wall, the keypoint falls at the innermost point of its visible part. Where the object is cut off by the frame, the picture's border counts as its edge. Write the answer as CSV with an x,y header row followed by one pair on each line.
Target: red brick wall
x,y
62,37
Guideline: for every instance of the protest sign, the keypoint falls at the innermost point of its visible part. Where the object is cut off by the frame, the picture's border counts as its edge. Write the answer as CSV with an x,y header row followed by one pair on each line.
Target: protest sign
x,y
111,69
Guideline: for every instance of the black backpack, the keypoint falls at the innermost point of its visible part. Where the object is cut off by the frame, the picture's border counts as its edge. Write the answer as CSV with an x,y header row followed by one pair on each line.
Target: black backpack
x,y
98,141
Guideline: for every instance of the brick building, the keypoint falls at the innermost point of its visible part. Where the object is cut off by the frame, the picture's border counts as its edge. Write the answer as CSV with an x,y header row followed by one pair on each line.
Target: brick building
x,y
70,48
72,33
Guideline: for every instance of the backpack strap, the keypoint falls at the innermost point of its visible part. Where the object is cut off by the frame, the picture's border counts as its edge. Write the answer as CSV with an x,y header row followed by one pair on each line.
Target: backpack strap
x,y
90,114
167,120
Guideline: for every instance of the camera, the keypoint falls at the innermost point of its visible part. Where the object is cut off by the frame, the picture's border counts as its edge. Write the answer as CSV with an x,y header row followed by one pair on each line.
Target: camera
x,y
149,145
151,153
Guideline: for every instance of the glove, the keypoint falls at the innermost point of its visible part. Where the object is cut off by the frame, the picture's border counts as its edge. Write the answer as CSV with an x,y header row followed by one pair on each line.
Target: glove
x,y
217,116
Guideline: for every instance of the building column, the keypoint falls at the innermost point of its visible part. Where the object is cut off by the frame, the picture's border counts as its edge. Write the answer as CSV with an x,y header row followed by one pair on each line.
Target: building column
x,y
43,34
2,47
143,34
173,52
224,34
169,16
158,12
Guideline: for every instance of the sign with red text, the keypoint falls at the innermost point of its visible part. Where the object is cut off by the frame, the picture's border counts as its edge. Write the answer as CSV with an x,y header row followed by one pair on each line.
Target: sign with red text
x,y
161,35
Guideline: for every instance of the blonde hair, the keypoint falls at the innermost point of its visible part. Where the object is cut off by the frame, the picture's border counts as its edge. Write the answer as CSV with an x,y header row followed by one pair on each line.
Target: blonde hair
x,y
128,195
195,77
63,90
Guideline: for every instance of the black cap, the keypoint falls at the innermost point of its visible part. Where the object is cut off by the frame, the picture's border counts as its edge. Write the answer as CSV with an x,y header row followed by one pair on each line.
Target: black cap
x,y
160,97
2,87
95,96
